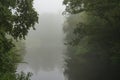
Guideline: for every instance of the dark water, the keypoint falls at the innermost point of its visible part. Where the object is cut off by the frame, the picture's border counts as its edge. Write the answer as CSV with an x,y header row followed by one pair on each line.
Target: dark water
x,y
45,49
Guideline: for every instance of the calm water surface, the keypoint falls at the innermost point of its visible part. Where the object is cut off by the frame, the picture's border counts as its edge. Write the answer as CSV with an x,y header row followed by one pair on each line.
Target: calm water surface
x,y
45,49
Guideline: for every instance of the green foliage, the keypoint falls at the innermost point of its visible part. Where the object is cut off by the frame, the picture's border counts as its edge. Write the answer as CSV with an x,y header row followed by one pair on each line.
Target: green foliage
x,y
17,17
5,44
23,76
77,6
7,76
17,76
93,34
8,65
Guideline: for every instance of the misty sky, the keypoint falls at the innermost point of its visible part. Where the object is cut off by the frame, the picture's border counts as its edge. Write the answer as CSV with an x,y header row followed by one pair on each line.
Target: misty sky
x,y
48,6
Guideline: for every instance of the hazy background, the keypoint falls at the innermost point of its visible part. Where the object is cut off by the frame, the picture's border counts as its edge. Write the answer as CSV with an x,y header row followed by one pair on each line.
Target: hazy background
x,y
49,6
44,46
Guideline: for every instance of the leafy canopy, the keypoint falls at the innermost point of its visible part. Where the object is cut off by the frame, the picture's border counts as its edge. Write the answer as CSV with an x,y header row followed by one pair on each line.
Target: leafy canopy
x,y
17,17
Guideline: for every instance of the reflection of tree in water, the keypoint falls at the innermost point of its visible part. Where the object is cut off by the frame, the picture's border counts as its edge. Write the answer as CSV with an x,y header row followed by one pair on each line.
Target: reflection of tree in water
x,y
80,67
89,67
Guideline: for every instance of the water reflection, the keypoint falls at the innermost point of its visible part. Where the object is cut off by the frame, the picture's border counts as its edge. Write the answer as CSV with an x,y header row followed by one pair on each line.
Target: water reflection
x,y
45,49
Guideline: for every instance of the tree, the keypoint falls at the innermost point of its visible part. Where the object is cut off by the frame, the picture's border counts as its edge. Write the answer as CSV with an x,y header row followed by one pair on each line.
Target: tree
x,y
17,17
96,37
106,9
102,22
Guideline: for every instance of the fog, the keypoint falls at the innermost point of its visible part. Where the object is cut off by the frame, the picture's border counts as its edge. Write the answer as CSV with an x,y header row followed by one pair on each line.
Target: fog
x,y
45,45
90,43
45,48
49,6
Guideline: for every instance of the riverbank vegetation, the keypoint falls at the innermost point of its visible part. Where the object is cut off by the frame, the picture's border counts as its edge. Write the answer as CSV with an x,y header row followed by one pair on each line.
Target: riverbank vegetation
x,y
92,35
16,18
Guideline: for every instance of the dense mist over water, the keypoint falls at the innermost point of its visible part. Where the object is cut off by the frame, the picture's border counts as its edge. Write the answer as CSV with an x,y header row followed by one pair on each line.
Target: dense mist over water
x,y
45,47
73,40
